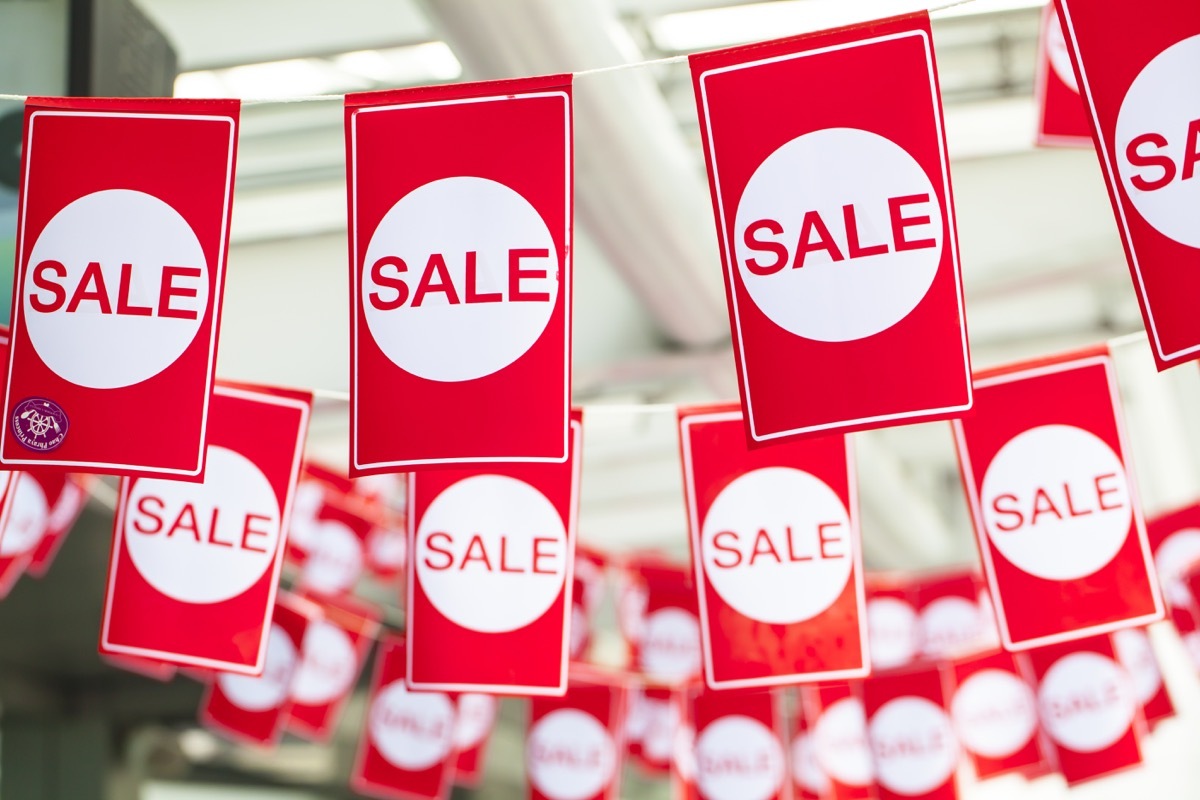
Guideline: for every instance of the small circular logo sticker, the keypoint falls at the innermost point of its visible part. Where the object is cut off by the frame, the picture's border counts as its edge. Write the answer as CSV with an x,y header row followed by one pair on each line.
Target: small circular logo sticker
x,y
39,424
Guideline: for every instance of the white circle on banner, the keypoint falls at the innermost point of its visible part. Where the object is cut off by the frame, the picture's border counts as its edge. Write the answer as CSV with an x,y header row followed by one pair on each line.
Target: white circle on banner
x,y
1056,502
170,536
914,745
1086,702
836,200
492,553
1137,657
27,518
328,664
994,713
105,332
1176,555
1059,56
776,545
892,630
335,558
388,546
570,755
271,689
411,730
468,325
476,712
1157,141
948,626
670,646
738,758
806,769
840,742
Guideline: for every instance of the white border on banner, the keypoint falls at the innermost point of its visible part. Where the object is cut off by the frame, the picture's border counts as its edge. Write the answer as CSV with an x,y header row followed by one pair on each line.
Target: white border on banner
x,y
215,300
702,581
284,523
559,690
1139,524
565,289
1119,200
951,226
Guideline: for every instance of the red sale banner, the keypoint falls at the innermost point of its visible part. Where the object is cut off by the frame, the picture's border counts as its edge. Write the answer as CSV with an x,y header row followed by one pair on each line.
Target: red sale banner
x,y
332,654
1055,510
476,716
839,739
254,709
951,622
66,495
1146,122
590,566
1175,543
739,750
995,715
652,727
492,572
106,318
1062,116
336,550
573,746
460,264
912,738
194,566
1088,708
667,649
406,749
1136,654
776,551
317,485
837,228
24,517
891,622
809,781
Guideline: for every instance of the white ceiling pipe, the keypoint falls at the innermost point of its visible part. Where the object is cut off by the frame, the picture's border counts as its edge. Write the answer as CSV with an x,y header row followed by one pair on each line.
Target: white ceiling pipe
x,y
639,188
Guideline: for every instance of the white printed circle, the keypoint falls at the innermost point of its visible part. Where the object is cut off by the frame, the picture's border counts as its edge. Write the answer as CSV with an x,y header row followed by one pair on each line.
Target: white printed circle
x,y
840,741
1086,702
776,545
328,664
1176,555
670,646
570,755
85,334
471,326
1136,655
1159,126
27,519
1056,50
476,712
948,626
806,769
492,553
738,758
846,180
335,558
170,536
388,546
1056,502
412,730
271,689
914,745
994,713
892,630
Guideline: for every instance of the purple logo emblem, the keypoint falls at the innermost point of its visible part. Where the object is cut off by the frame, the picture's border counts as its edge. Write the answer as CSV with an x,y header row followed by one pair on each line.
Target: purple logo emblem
x,y
39,424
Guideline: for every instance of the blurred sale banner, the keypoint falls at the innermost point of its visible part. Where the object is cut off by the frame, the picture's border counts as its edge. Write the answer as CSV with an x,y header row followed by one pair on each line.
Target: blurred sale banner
x,y
912,738
995,715
491,571
739,751
66,494
122,235
840,745
336,553
24,518
460,272
1062,116
837,229
1056,513
777,556
1135,73
1136,654
574,747
472,732
406,749
194,566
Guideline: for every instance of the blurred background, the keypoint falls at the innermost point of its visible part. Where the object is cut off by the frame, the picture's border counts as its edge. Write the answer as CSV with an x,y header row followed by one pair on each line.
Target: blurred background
x,y
1041,259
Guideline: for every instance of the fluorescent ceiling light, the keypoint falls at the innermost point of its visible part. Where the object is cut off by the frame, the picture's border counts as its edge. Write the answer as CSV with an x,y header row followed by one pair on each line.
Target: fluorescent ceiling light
x,y
430,62
691,31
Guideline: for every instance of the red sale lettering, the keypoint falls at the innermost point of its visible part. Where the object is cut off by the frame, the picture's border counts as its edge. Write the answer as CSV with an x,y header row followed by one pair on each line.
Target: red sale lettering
x,y
400,720
387,272
564,755
1057,505
1099,698
782,549
149,519
1148,150
912,744
740,764
93,289
492,557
